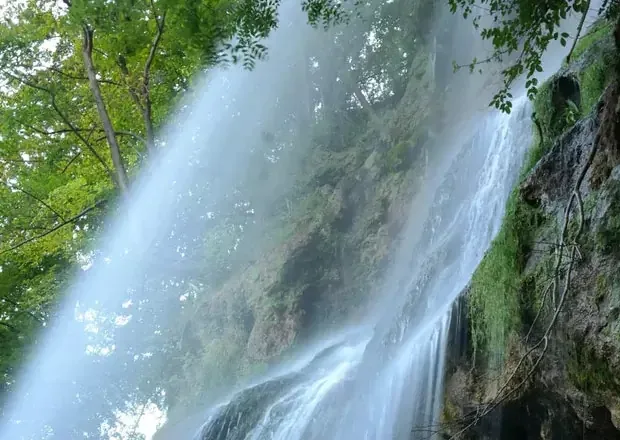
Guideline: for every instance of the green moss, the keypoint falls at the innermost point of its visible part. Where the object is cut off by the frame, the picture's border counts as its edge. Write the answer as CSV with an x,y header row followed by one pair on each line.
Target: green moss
x,y
591,373
607,238
396,159
533,286
502,297
593,66
597,60
597,32
552,122
494,302
544,112
450,413
593,81
601,288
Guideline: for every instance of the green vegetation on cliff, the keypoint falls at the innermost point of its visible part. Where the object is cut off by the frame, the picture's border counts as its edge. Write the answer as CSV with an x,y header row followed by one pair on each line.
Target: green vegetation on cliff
x,y
494,298
336,232
501,291
544,304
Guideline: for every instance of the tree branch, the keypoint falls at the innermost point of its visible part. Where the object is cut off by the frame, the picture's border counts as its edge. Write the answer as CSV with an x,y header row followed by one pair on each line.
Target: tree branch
x,y
45,132
117,159
579,28
31,195
83,78
55,228
122,65
9,326
70,162
124,133
149,61
65,119
146,78
28,312
495,57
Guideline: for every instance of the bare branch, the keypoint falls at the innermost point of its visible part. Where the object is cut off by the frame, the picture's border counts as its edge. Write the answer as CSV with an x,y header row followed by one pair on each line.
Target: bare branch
x,y
70,162
83,78
55,228
124,133
9,326
28,312
146,78
120,173
579,28
32,196
149,61
495,57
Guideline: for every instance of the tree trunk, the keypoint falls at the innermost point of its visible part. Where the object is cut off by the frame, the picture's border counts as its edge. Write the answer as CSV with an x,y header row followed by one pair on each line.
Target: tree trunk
x,y
108,128
148,124
147,111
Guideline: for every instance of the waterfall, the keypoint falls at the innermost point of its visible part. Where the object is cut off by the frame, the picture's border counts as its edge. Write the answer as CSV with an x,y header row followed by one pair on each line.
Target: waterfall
x,y
388,384
381,380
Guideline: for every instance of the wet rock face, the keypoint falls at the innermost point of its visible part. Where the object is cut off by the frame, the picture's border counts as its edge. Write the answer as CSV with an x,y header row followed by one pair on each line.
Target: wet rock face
x,y
575,391
235,420
552,180
609,136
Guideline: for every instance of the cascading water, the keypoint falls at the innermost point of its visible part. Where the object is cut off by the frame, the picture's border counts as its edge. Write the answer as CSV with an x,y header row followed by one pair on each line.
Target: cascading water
x,y
381,380
387,384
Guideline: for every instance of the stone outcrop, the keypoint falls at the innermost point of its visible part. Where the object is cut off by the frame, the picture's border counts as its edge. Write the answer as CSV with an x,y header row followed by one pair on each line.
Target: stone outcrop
x,y
553,178
574,392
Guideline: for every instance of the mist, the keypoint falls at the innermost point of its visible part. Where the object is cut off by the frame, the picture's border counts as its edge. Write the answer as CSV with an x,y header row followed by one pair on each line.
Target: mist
x,y
223,193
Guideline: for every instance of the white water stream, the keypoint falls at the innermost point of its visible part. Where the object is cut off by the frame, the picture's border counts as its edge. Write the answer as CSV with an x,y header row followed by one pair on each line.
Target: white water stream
x,y
389,383
381,381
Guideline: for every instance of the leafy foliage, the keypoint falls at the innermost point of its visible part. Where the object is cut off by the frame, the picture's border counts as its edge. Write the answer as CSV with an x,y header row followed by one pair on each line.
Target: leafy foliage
x,y
521,32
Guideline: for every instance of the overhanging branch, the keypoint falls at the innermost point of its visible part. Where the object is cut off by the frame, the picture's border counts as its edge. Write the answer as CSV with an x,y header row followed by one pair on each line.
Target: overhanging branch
x,y
82,78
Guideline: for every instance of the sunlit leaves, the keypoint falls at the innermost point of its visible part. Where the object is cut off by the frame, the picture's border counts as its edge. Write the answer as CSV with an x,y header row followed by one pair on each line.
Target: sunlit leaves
x,y
520,32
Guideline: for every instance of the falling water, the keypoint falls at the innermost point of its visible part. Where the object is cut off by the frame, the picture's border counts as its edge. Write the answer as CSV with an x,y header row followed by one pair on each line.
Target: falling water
x,y
387,383
380,380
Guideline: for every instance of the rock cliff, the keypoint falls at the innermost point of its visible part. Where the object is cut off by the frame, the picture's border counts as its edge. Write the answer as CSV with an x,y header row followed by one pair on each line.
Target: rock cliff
x,y
550,367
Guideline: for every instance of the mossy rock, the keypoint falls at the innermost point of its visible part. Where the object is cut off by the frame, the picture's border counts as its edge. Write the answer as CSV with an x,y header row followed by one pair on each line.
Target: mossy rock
x,y
606,222
590,372
557,105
